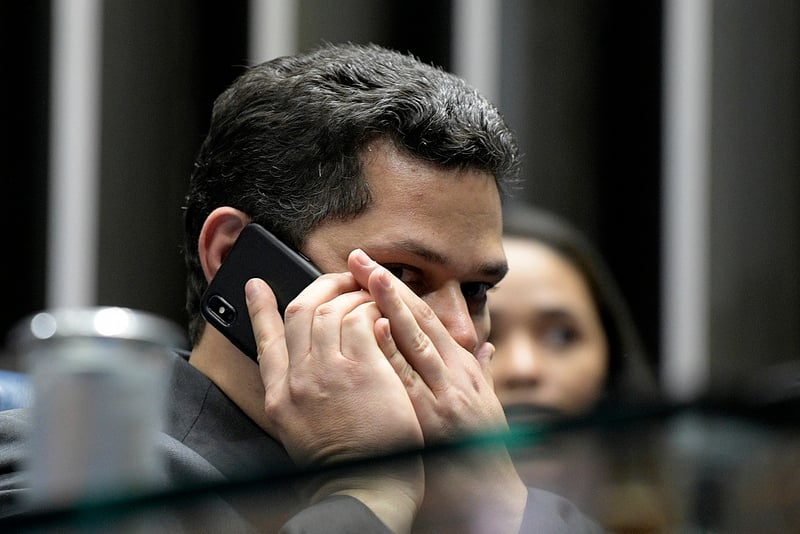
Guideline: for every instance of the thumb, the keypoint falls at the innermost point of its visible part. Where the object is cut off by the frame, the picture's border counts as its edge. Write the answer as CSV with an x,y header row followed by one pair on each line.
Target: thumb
x,y
484,355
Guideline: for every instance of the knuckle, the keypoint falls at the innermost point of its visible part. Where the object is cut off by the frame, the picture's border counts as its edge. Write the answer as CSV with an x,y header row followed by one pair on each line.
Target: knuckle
x,y
408,377
294,308
324,311
420,343
426,314
361,314
352,319
299,389
273,404
265,344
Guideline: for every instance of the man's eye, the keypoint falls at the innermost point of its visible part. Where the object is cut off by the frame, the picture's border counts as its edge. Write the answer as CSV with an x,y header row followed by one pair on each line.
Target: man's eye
x,y
405,274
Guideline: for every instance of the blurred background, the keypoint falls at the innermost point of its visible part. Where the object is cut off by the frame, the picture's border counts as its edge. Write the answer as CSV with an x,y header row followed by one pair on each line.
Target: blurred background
x,y
668,131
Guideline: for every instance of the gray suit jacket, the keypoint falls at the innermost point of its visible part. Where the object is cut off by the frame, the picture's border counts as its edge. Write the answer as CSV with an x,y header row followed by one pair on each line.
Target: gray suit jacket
x,y
207,438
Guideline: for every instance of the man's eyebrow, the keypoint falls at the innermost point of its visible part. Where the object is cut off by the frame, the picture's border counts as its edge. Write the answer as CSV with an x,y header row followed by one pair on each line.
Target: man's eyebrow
x,y
488,269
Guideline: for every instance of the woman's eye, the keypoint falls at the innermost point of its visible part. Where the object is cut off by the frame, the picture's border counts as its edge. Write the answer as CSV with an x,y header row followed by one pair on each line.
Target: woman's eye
x,y
560,337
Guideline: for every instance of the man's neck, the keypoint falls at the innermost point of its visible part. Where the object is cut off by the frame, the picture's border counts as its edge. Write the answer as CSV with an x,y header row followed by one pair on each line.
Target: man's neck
x,y
233,372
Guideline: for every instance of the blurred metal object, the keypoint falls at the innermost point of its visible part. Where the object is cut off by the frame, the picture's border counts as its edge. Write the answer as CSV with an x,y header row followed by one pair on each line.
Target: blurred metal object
x,y
99,379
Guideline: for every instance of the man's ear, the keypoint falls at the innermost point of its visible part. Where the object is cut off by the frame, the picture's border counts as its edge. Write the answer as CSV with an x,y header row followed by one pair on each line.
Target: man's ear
x,y
219,232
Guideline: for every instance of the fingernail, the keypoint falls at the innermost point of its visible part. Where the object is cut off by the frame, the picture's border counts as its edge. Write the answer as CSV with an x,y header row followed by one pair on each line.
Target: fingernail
x,y
385,329
485,352
387,335
251,289
385,278
362,258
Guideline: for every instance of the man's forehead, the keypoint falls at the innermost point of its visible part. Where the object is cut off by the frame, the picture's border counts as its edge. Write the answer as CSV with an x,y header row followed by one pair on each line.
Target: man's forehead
x,y
399,181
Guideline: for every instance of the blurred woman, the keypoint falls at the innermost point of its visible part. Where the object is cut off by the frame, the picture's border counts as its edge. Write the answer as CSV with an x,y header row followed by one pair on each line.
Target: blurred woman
x,y
566,347
565,341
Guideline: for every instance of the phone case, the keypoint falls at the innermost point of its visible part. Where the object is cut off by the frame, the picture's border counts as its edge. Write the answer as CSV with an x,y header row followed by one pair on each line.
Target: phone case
x,y
255,254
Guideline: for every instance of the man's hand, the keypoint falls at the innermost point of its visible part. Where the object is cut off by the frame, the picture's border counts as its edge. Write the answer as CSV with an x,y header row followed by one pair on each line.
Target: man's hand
x,y
453,396
451,388
330,393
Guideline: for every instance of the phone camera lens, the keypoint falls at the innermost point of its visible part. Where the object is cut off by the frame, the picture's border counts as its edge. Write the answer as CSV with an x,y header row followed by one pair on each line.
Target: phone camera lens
x,y
221,309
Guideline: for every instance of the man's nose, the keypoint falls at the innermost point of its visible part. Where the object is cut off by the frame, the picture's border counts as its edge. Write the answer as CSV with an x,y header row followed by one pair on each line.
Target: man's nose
x,y
449,305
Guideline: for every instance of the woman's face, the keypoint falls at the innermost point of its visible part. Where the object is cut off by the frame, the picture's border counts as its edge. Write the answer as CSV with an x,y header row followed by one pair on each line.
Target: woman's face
x,y
552,352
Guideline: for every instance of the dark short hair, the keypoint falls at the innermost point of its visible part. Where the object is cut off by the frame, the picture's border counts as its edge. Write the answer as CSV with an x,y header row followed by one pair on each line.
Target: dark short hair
x,y
286,138
630,379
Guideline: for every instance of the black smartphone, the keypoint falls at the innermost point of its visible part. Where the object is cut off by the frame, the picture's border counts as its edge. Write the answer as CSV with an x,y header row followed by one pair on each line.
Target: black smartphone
x,y
255,254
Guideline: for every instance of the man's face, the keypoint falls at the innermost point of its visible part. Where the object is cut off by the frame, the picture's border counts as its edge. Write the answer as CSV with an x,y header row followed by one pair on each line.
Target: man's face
x,y
438,230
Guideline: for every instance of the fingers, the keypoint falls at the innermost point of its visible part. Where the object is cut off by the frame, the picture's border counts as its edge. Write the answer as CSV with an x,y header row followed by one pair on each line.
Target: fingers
x,y
344,327
449,386
402,368
268,331
391,293
418,333
302,312
338,388
408,329
484,356
280,343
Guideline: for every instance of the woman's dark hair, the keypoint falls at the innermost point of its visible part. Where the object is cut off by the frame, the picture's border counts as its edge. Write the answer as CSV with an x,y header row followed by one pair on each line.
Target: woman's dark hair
x,y
630,379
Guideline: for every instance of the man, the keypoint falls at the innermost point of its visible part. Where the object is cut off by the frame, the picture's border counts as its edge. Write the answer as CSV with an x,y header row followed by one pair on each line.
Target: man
x,y
388,174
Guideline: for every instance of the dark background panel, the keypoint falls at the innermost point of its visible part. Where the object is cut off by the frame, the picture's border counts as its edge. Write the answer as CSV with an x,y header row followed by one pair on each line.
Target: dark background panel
x,y
582,88
24,116
755,213
628,146
163,66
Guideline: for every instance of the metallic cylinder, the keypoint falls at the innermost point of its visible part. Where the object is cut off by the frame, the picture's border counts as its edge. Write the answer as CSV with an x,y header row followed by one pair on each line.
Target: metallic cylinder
x,y
99,378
